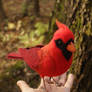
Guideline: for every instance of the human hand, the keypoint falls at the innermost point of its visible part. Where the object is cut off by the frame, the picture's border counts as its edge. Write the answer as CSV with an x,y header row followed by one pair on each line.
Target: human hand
x,y
50,87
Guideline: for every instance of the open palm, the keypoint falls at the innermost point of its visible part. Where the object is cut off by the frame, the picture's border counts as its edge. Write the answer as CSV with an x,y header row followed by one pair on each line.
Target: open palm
x,y
67,84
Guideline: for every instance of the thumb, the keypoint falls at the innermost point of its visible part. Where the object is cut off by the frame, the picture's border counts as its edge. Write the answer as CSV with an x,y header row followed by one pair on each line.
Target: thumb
x,y
69,81
24,87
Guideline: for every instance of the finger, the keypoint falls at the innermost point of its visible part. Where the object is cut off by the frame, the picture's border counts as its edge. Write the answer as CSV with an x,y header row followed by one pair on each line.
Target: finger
x,y
24,87
69,81
63,78
60,80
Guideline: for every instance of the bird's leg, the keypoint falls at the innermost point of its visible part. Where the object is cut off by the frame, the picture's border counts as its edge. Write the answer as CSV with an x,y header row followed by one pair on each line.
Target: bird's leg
x,y
49,81
44,84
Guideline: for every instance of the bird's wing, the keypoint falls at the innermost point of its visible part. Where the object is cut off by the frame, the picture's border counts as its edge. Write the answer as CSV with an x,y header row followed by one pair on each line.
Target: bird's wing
x,y
31,56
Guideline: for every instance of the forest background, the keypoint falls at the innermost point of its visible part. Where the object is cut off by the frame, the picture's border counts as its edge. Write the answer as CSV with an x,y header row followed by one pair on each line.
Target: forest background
x,y
26,23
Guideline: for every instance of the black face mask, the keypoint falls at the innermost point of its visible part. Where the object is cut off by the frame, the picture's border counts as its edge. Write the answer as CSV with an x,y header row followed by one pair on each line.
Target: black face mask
x,y
62,46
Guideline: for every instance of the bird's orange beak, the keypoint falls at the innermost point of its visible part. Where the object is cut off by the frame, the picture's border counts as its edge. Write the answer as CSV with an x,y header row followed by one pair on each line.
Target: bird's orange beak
x,y
70,47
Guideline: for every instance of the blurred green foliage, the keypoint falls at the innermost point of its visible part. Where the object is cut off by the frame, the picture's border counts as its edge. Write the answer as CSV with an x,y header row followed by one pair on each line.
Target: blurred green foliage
x,y
21,29
13,36
34,37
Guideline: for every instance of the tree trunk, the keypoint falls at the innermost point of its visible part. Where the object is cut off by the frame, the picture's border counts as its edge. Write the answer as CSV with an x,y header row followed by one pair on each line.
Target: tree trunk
x,y
2,13
36,7
77,14
32,8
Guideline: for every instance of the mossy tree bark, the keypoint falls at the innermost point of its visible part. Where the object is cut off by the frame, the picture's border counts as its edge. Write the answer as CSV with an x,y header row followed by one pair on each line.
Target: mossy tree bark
x,y
77,14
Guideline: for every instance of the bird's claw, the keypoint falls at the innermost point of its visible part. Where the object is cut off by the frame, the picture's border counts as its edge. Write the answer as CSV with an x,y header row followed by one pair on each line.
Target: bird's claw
x,y
49,82
59,84
54,82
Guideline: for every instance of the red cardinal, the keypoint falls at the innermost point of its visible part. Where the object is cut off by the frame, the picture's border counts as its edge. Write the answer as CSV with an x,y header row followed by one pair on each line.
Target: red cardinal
x,y
52,59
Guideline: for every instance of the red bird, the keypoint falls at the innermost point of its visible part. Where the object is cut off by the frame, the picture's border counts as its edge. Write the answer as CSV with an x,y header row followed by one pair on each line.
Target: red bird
x,y
53,59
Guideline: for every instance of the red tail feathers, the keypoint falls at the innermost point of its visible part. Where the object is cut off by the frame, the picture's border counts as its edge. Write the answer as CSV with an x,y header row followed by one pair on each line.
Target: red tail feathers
x,y
14,56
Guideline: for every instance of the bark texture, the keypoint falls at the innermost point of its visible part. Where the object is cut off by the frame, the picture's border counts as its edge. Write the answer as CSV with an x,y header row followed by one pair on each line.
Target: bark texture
x,y
77,14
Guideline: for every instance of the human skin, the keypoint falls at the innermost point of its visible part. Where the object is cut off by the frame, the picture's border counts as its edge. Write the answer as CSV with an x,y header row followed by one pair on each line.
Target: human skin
x,y
24,87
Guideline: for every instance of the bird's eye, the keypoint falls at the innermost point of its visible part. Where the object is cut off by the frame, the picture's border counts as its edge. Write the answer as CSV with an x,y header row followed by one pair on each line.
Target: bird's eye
x,y
59,42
